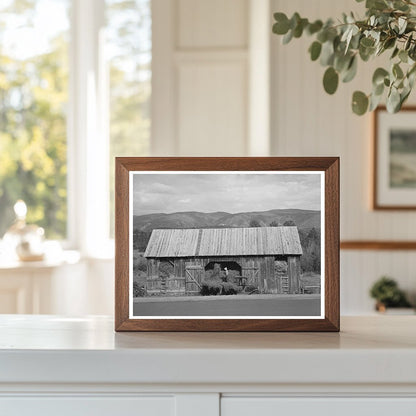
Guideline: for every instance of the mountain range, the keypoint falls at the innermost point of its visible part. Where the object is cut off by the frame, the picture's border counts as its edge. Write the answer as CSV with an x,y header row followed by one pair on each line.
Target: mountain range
x,y
304,219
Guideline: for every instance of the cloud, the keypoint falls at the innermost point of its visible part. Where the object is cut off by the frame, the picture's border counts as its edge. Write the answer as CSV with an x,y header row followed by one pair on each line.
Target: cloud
x,y
230,192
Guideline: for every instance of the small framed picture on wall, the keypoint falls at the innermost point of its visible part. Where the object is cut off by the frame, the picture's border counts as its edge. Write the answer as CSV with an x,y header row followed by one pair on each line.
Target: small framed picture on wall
x,y
394,177
227,244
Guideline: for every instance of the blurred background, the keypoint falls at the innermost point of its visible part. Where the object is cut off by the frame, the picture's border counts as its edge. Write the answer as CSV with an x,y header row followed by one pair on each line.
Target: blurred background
x,y
83,81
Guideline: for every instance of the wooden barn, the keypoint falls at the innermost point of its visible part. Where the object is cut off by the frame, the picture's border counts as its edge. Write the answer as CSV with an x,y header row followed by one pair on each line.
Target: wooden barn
x,y
250,251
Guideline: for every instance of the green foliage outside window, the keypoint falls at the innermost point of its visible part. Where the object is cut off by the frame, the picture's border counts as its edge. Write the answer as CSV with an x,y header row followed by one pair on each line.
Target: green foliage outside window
x,y
34,86
33,99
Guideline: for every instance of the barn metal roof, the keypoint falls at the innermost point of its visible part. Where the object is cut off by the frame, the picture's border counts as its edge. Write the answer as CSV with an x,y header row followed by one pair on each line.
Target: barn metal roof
x,y
255,241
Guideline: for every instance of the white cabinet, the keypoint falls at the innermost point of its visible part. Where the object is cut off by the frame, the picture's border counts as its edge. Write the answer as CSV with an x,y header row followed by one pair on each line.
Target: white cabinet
x,y
79,366
88,406
270,406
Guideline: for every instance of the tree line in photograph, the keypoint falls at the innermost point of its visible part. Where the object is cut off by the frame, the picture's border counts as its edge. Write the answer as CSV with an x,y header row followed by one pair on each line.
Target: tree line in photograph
x,y
310,240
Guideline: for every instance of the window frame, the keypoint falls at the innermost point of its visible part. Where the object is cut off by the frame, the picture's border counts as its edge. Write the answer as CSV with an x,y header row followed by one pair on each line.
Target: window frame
x,y
88,133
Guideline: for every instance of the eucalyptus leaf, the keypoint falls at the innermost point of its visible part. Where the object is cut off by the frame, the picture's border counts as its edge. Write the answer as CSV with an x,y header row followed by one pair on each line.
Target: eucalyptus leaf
x,y
408,42
376,4
374,102
403,96
411,78
330,80
379,75
314,27
389,43
359,103
351,71
327,54
298,30
378,89
315,50
367,42
395,52
403,56
393,101
366,53
281,26
341,62
402,22
397,71
288,37
388,24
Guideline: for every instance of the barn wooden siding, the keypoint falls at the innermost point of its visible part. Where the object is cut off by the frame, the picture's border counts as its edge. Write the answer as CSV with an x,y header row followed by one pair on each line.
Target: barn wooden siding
x,y
255,241
253,249
189,273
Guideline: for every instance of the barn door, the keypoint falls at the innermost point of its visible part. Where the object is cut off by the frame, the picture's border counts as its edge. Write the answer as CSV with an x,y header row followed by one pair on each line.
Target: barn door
x,y
253,275
193,278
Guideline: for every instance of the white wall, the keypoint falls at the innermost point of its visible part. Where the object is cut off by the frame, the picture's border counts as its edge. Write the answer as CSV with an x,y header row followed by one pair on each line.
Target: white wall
x,y
308,122
202,83
211,97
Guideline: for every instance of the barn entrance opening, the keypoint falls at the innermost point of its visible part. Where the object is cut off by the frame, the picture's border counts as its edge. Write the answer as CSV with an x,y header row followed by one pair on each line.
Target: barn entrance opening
x,y
231,266
227,271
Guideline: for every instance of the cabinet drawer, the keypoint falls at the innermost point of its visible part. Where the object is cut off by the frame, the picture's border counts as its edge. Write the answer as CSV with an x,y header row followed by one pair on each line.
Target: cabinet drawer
x,y
273,406
87,406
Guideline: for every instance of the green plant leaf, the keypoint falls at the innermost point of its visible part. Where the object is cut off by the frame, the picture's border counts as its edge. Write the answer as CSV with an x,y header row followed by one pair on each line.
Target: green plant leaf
x,y
389,43
378,89
359,103
288,37
376,4
322,36
330,80
281,27
367,42
408,42
404,95
393,101
327,53
397,71
374,102
402,22
298,30
314,27
351,71
315,50
388,24
403,56
395,52
379,75
365,51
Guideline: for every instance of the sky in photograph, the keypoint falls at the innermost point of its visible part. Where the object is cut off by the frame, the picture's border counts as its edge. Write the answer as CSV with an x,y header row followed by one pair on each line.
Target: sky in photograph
x,y
233,193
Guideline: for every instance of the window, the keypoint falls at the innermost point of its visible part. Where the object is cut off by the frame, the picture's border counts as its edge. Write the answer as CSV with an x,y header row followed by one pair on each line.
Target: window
x,y
33,98
75,87
129,46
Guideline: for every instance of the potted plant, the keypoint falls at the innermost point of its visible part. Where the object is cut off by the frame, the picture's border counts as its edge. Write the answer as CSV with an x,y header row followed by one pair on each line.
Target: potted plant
x,y
387,294
389,27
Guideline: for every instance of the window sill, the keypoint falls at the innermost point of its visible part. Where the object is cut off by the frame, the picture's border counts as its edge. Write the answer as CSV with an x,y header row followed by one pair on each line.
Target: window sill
x,y
64,257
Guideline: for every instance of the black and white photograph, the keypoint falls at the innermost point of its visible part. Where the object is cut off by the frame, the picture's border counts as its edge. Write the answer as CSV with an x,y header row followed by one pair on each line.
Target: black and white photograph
x,y
226,244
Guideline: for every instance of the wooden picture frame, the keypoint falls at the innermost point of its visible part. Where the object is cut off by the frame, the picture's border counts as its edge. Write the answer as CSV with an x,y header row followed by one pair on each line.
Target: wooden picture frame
x,y
130,168
390,190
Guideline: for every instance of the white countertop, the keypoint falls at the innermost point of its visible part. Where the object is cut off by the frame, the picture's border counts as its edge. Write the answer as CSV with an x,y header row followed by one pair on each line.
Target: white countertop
x,y
52,349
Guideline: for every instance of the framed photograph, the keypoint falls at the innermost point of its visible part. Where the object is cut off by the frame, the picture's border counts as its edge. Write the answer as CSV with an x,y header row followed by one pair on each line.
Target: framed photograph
x,y
394,179
227,244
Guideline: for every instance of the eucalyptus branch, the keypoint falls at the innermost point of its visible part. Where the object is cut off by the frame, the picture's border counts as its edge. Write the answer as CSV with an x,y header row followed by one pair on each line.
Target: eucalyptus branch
x,y
389,25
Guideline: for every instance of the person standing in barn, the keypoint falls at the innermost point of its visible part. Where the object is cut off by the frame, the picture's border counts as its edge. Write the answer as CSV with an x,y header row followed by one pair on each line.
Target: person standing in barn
x,y
225,278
